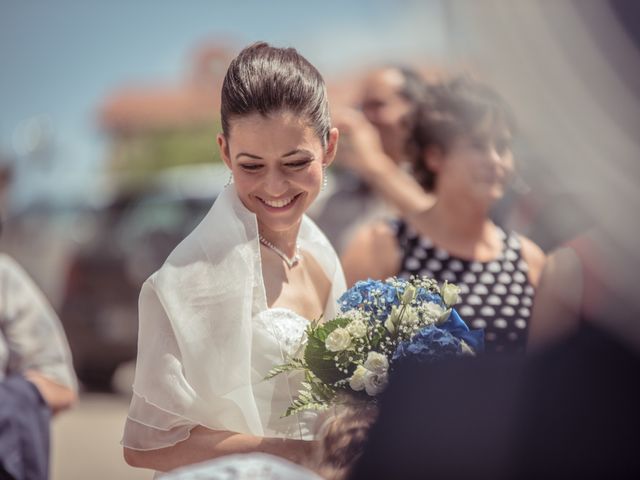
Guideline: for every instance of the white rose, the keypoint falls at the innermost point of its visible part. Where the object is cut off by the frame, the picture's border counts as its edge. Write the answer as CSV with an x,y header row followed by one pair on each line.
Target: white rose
x,y
433,310
376,363
338,340
375,383
357,329
356,381
450,294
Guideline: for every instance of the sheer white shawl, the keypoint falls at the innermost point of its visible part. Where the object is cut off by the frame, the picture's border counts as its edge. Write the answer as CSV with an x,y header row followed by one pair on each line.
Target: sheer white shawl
x,y
196,316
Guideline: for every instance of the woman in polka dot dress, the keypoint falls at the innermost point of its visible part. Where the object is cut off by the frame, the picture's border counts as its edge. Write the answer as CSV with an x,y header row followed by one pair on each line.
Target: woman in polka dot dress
x,y
461,147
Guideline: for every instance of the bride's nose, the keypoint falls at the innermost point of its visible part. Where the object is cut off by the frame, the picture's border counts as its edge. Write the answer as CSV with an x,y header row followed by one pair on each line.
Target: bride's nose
x,y
276,183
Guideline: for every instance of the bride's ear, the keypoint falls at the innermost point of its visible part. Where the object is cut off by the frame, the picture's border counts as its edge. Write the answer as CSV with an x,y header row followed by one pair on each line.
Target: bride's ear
x,y
223,144
332,146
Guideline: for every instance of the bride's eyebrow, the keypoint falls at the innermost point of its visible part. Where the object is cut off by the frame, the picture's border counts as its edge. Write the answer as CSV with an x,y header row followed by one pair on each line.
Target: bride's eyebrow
x,y
296,151
244,154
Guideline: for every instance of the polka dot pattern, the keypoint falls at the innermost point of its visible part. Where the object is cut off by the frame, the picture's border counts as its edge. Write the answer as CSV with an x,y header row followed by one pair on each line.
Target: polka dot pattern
x,y
478,323
449,276
495,296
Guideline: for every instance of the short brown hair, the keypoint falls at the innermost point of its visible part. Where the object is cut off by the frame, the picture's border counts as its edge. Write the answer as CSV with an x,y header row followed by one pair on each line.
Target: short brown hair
x,y
453,108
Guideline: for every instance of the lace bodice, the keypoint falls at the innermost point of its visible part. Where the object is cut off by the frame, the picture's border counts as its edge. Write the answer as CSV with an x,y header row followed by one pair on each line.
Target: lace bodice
x,y
287,327
278,335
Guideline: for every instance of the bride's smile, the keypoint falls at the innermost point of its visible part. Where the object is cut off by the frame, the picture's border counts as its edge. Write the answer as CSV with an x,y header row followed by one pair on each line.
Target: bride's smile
x,y
279,205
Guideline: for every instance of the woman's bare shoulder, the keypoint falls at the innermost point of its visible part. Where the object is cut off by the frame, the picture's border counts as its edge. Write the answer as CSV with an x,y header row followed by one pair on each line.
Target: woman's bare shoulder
x,y
372,253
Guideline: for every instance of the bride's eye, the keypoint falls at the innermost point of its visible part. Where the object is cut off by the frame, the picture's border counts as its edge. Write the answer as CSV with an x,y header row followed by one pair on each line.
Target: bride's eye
x,y
298,164
250,167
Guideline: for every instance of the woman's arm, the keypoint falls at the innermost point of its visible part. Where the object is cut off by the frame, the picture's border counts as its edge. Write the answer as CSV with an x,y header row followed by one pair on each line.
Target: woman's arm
x,y
205,444
361,151
58,397
372,253
556,307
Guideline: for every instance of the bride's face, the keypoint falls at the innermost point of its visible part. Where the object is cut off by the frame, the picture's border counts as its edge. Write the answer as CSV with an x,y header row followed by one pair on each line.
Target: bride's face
x,y
276,163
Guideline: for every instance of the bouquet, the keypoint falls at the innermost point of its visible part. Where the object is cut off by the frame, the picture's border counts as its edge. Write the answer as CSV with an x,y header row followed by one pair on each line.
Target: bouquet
x,y
380,324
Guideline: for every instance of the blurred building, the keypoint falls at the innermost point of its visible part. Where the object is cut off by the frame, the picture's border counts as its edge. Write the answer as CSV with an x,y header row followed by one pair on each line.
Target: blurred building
x,y
151,127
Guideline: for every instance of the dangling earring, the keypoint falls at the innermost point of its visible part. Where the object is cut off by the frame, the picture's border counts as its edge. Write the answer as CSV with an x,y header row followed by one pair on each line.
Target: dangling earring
x,y
230,180
324,176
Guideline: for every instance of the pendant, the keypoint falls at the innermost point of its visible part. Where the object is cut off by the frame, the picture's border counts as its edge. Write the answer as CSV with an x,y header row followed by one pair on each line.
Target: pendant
x,y
291,262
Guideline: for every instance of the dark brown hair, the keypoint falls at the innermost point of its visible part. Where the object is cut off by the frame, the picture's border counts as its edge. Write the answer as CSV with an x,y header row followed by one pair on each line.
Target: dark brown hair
x,y
451,109
264,79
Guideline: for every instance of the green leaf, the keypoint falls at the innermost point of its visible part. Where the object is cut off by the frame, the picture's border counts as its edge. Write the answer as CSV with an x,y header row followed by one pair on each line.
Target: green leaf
x,y
314,395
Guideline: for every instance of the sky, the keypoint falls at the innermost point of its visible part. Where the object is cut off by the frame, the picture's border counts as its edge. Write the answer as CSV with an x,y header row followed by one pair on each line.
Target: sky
x,y
60,59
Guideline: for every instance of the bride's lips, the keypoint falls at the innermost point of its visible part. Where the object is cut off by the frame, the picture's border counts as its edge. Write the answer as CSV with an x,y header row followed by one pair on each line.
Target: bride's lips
x,y
281,204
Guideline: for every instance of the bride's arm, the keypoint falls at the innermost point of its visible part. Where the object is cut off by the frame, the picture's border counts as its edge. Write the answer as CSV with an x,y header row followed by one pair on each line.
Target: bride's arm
x,y
204,444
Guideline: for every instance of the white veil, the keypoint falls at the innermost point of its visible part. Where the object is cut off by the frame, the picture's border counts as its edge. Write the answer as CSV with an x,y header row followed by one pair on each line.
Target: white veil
x,y
195,333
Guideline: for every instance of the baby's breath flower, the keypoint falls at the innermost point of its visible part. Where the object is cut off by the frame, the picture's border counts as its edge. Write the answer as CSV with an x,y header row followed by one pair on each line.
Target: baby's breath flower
x,y
357,328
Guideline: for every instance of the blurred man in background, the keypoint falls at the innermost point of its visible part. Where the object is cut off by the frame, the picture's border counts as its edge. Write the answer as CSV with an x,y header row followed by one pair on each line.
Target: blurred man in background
x,y
374,180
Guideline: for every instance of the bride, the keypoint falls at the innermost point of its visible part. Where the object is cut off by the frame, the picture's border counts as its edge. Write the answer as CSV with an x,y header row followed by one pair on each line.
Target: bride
x,y
234,298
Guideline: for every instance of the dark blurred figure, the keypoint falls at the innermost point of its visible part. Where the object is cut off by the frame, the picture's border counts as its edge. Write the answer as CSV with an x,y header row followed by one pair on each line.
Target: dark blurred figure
x,y
570,412
373,179
462,154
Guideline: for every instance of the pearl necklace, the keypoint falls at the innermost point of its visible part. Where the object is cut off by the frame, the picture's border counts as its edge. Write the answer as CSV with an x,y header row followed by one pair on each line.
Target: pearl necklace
x,y
291,262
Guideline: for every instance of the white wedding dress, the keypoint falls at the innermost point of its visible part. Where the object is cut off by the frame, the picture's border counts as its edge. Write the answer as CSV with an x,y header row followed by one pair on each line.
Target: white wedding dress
x,y
207,338
279,334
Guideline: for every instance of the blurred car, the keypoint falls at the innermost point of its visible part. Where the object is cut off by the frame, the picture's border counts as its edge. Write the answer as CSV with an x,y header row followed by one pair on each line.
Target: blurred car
x,y
131,237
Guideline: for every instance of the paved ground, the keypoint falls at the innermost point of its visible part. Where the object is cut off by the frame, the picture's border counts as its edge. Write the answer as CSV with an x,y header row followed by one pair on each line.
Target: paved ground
x,y
86,441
